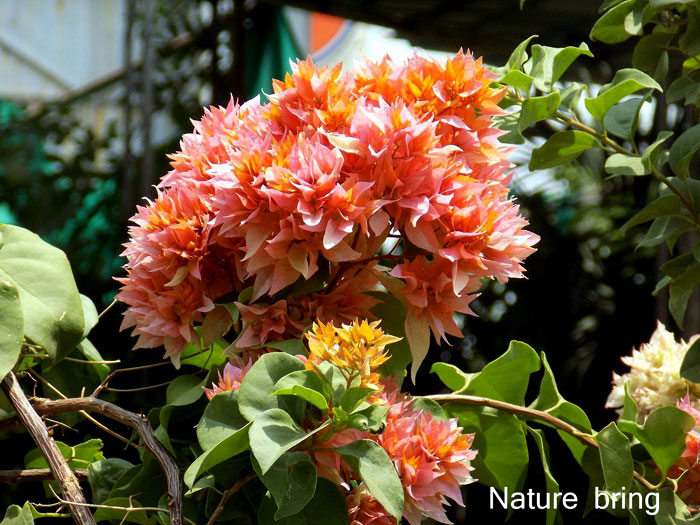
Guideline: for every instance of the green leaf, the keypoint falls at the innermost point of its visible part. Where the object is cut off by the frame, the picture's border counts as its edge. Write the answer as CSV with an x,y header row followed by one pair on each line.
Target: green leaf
x,y
690,41
255,395
535,109
274,432
571,95
290,346
690,369
16,515
451,376
615,458
610,28
519,55
90,315
291,481
207,358
548,64
629,407
623,118
651,153
551,484
678,265
229,447
327,507
184,390
680,290
103,475
666,205
517,79
500,439
53,313
650,55
683,88
305,384
353,396
505,378
561,148
11,326
393,315
220,420
91,353
551,401
429,406
79,456
683,150
665,229
619,164
138,516
663,434
377,472
625,82
371,418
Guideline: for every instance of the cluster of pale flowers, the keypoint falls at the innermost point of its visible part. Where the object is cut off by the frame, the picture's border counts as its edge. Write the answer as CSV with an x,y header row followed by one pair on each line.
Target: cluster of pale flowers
x,y
655,381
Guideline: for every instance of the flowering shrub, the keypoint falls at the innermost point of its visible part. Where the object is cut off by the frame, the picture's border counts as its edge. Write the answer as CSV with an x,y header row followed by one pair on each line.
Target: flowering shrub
x,y
296,260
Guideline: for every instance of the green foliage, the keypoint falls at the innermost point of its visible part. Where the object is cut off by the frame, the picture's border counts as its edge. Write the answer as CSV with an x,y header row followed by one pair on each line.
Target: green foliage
x,y
615,458
292,482
220,420
272,433
230,446
11,326
505,378
561,148
51,305
307,385
662,434
377,472
326,507
259,384
551,484
690,368
103,475
498,465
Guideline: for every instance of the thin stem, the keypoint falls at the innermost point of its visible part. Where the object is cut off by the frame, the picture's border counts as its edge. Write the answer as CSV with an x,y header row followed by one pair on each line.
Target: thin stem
x,y
612,145
127,510
34,474
113,373
138,389
109,306
85,414
226,495
530,413
140,424
40,435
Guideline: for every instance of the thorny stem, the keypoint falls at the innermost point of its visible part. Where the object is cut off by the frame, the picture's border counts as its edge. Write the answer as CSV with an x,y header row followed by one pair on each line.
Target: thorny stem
x,y
35,474
530,413
226,495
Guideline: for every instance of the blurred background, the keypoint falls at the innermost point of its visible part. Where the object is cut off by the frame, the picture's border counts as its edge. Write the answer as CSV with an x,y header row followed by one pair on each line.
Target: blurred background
x,y
95,93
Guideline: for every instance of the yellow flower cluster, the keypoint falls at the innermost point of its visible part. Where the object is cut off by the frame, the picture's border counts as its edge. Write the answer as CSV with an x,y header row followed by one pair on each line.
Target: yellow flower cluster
x,y
356,349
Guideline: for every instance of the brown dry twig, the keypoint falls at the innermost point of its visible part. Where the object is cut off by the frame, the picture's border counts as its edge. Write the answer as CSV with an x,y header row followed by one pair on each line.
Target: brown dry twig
x,y
140,424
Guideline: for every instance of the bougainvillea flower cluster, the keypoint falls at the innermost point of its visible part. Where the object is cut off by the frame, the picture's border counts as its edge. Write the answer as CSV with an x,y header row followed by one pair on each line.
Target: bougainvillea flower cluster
x,y
654,379
687,468
357,349
431,455
389,178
